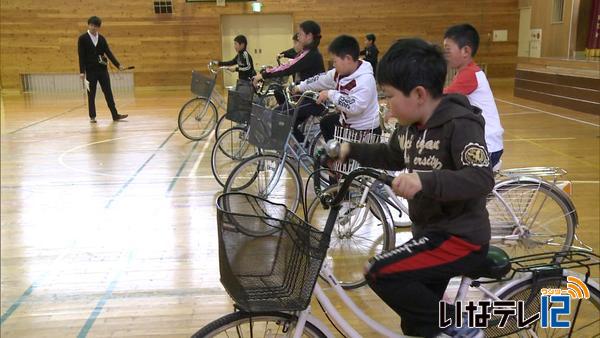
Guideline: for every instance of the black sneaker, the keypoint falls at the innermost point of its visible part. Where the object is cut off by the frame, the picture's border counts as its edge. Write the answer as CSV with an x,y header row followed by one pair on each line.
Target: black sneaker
x,y
461,332
93,120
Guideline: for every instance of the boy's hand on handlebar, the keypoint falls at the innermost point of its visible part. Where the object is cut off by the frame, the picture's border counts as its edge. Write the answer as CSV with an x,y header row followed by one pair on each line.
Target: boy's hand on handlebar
x,y
407,185
323,96
296,90
256,79
344,152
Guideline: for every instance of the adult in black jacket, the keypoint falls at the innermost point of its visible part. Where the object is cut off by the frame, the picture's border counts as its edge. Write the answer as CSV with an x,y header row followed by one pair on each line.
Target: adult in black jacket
x,y
93,50
242,61
370,52
306,64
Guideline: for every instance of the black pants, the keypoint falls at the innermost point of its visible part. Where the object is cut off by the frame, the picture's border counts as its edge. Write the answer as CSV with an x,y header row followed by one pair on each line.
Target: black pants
x,y
329,122
100,76
412,278
495,157
306,109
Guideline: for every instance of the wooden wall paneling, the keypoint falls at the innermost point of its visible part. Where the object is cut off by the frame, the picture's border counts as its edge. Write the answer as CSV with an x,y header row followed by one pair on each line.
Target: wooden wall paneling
x,y
41,36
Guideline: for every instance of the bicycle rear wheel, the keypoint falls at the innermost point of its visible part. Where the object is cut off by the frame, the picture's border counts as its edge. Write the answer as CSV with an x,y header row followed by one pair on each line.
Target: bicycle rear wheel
x,y
244,324
530,216
231,148
197,118
587,323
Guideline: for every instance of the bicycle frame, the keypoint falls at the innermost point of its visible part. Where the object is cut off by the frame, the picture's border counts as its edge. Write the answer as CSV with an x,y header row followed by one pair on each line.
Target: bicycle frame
x,y
293,148
347,329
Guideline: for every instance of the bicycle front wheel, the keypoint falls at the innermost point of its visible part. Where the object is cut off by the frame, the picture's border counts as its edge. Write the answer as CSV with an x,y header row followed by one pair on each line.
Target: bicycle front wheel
x,y
530,216
231,148
197,118
243,324
269,177
361,231
585,324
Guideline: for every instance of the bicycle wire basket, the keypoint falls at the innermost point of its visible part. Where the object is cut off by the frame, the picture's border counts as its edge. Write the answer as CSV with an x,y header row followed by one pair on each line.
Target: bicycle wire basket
x,y
345,135
270,128
269,258
202,85
239,106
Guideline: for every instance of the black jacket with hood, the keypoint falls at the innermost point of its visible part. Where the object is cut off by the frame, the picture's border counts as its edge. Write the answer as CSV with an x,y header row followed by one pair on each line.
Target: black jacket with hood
x,y
450,156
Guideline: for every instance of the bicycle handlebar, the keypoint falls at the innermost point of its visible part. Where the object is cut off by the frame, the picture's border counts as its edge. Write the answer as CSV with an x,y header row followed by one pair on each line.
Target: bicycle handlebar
x,y
214,68
332,152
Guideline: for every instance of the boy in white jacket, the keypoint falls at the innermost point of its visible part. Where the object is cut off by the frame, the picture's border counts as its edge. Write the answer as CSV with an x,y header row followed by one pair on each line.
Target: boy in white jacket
x,y
350,86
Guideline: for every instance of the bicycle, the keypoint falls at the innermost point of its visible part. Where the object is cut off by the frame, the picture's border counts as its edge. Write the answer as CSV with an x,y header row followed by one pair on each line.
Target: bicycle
x,y
527,215
363,229
272,278
232,145
272,172
198,117
265,96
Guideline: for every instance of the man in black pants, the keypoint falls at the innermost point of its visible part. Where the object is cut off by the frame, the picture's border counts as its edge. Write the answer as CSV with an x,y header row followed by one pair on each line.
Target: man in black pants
x,y
93,50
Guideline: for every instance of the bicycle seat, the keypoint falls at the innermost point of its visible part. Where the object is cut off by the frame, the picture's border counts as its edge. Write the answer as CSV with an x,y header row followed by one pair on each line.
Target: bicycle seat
x,y
496,265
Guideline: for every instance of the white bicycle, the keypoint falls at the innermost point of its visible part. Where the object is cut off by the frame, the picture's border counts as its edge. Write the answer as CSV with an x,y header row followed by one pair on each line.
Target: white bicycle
x,y
528,215
198,117
270,260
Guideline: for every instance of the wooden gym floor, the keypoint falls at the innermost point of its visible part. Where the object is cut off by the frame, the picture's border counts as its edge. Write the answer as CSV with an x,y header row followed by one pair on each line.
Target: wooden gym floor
x,y
109,229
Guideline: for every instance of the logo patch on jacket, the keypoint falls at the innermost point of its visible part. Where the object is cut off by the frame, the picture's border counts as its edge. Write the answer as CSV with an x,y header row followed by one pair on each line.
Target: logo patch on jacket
x,y
474,155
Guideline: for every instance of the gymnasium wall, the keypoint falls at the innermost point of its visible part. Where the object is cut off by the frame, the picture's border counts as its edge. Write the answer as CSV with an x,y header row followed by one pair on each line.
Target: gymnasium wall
x,y
555,35
41,36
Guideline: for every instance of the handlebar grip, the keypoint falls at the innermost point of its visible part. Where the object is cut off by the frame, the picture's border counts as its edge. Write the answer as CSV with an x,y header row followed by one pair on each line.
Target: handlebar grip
x,y
387,179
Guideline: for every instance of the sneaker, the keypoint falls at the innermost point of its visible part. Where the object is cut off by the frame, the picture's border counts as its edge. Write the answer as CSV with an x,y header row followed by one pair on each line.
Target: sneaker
x,y
93,120
461,332
120,117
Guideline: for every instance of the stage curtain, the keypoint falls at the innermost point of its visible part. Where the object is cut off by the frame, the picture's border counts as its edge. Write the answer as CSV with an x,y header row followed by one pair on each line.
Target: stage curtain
x,y
593,42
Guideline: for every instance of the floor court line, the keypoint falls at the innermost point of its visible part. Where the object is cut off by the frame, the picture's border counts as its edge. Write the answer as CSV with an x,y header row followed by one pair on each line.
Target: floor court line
x,y
522,113
202,152
553,114
181,167
139,170
46,119
37,282
540,139
552,150
105,297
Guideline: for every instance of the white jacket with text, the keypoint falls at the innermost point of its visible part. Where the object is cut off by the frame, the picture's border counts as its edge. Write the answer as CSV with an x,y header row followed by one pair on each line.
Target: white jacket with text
x,y
354,95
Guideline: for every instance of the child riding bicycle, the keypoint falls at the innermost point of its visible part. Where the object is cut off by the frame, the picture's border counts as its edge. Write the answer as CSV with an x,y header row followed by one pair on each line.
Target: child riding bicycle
x,y
441,142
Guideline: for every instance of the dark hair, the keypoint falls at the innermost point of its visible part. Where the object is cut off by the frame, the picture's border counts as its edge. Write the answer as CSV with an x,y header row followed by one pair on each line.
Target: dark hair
x,y
371,37
309,27
464,35
94,20
241,39
295,37
413,62
344,45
